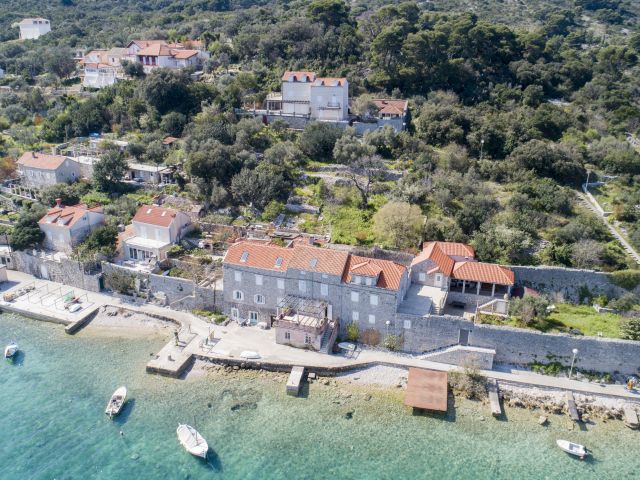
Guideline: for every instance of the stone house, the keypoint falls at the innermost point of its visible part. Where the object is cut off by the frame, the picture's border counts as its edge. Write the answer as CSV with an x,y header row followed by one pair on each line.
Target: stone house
x,y
43,170
310,293
155,230
33,28
65,227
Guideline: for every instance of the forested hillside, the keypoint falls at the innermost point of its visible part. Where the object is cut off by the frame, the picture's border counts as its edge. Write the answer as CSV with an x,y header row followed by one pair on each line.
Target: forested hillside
x,y
511,104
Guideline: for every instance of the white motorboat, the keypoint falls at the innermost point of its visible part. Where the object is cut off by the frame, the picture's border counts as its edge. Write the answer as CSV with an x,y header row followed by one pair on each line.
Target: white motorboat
x,y
116,402
574,449
192,441
249,355
10,350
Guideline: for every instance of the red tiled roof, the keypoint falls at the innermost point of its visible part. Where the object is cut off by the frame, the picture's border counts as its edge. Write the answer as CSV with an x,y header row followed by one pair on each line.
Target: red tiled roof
x,y
298,76
326,81
321,260
454,249
434,252
483,272
168,140
66,217
154,215
395,107
390,273
259,255
181,54
43,161
366,268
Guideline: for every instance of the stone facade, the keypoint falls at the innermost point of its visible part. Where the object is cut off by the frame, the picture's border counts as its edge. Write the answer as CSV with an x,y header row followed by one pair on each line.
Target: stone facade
x,y
65,271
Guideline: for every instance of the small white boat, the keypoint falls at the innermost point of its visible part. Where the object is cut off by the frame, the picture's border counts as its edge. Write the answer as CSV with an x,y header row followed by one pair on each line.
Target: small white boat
x,y
192,441
571,448
10,350
249,355
116,402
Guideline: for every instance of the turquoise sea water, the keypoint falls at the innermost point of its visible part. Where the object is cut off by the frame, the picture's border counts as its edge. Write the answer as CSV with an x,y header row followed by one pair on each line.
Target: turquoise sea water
x,y
52,424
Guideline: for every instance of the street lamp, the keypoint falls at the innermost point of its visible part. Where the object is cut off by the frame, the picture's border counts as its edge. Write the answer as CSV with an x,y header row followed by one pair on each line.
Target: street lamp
x,y
481,147
387,323
575,352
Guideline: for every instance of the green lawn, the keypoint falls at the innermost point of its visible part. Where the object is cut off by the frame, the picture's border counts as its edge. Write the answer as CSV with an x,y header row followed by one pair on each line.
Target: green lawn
x,y
585,319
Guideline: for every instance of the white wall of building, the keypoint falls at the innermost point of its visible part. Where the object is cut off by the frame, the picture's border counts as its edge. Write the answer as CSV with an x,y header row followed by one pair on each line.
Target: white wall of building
x,y
33,28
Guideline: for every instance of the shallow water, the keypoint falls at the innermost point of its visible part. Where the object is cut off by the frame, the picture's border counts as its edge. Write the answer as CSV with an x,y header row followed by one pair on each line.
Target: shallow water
x,y
53,427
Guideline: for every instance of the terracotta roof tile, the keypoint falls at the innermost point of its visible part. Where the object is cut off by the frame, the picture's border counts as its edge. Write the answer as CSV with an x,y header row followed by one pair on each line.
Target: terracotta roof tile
x,y
389,273
66,217
154,215
299,76
483,272
395,107
454,249
434,252
259,255
181,54
327,81
43,161
322,260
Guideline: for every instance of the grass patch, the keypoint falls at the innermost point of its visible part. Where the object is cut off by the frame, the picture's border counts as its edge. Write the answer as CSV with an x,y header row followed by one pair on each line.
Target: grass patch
x,y
350,225
585,319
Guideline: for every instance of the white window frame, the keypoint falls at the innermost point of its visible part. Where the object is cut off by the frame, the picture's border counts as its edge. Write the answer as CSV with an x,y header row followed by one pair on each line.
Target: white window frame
x,y
355,297
355,316
281,283
258,279
422,277
237,276
374,300
259,299
324,289
368,281
253,314
302,286
307,339
372,318
407,325
287,335
235,313
239,297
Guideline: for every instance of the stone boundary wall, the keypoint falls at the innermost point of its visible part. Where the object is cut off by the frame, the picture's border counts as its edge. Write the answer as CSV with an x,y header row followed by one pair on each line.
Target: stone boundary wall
x,y
68,272
180,293
519,346
566,281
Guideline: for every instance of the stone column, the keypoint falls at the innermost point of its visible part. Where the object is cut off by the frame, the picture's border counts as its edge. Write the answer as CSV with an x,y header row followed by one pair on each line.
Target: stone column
x,y
478,289
493,289
464,285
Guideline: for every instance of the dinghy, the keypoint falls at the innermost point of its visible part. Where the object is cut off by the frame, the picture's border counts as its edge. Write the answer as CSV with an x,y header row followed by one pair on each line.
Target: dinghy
x,y
117,402
571,448
249,355
10,350
192,441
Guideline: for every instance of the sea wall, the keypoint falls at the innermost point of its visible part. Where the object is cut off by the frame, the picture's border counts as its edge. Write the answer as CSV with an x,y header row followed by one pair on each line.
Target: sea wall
x,y
519,346
567,281
178,293
66,271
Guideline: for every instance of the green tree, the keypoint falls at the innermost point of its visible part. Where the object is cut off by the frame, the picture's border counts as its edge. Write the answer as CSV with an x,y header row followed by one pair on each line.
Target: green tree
x,y
26,233
398,225
331,13
109,171
318,140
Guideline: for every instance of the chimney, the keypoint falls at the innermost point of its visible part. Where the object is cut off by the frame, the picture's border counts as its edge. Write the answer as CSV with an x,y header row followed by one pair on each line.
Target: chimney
x,y
59,202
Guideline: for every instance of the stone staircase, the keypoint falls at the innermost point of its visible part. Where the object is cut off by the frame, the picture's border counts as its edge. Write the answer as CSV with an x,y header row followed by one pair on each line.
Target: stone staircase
x,y
328,338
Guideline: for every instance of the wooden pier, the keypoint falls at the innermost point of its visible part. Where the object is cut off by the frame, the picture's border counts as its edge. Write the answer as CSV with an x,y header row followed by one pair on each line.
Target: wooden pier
x,y
295,380
494,397
427,390
630,417
572,409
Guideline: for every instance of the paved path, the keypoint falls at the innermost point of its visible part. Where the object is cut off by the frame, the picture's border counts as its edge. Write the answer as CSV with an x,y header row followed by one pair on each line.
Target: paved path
x,y
584,199
233,339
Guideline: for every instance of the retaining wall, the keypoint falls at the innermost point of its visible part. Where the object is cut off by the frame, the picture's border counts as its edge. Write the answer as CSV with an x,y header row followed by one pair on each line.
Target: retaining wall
x,y
521,347
66,271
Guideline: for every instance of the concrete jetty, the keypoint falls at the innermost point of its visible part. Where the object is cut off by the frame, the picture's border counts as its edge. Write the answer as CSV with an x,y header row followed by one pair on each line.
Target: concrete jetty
x,y
572,408
494,397
630,416
295,380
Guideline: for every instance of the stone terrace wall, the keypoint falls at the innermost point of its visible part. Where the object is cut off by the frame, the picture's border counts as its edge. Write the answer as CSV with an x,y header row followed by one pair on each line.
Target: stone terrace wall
x,y
520,347
66,271
181,293
567,281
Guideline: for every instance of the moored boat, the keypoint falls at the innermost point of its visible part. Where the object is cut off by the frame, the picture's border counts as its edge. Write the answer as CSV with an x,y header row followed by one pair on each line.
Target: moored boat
x,y
10,350
574,449
116,402
192,441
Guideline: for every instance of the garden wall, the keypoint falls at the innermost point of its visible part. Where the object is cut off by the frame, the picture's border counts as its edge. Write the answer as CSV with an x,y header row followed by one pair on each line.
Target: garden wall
x,y
519,346
66,271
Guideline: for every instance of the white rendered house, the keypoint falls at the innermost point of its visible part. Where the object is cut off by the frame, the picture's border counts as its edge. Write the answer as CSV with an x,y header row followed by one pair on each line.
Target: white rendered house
x,y
154,54
155,230
103,68
66,227
319,98
32,28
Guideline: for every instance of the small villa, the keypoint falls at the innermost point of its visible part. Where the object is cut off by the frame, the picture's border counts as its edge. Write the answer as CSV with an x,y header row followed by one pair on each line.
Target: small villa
x,y
154,54
42,170
33,28
65,227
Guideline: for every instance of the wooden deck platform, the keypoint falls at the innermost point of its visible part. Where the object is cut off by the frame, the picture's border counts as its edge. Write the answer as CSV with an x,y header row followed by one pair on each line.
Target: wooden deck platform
x,y
295,380
427,390
494,397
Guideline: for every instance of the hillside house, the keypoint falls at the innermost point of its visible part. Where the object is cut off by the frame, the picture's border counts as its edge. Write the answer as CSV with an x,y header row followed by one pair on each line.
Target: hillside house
x,y
65,227
155,230
33,28
306,95
43,170
103,68
154,54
